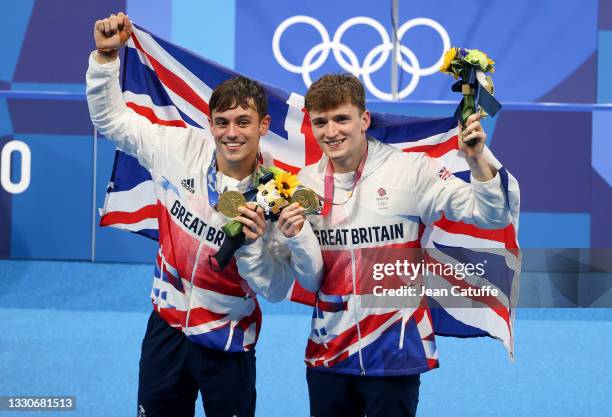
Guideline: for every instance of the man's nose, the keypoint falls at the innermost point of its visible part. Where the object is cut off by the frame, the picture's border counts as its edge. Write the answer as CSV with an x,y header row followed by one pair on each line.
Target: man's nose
x,y
331,130
232,131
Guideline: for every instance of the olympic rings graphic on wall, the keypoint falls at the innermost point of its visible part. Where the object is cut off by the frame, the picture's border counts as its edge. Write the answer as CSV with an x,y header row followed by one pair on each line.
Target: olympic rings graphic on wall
x,y
374,59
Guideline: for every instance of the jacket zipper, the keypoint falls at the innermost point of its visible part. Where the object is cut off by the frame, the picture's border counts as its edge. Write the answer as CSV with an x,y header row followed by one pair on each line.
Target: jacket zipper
x,y
363,372
231,335
402,330
193,272
161,276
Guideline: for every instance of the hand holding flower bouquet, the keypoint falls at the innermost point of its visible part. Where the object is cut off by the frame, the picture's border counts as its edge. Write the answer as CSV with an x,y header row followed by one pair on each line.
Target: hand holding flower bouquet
x,y
471,65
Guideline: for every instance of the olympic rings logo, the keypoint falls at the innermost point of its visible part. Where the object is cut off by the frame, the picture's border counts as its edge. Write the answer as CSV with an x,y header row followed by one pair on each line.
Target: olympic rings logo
x,y
374,60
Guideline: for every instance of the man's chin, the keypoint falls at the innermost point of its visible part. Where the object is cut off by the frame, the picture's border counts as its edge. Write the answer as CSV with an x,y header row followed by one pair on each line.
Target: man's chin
x,y
238,157
336,154
235,159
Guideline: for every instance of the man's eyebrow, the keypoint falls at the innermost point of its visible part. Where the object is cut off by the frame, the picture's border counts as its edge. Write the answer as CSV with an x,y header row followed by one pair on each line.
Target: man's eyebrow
x,y
318,119
219,119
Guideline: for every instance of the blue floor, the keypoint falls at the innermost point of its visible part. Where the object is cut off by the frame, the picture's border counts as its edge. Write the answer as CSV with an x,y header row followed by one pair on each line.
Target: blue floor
x,y
75,329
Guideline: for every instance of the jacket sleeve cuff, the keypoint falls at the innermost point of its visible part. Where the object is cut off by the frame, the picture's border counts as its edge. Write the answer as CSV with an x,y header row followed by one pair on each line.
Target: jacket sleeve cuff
x,y
491,201
252,249
109,67
491,187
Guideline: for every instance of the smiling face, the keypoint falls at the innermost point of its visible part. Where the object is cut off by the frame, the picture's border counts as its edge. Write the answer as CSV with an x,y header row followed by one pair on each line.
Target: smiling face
x,y
340,132
336,105
237,132
239,117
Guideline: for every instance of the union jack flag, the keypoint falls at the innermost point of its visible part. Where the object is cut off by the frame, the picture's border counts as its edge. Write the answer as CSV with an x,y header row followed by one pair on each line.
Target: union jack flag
x,y
171,86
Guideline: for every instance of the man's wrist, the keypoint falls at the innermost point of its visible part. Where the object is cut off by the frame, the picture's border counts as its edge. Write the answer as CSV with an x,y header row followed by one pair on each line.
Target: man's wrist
x,y
103,56
481,169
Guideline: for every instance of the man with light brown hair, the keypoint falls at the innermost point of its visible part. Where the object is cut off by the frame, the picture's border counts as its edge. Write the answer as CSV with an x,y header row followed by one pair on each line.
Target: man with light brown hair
x,y
367,360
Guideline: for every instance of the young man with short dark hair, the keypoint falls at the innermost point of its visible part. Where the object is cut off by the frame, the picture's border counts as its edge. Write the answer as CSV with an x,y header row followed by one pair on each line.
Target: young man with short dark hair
x,y
202,333
367,360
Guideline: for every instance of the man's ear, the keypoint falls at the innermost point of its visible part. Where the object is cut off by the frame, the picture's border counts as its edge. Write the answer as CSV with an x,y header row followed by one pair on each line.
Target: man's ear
x,y
264,125
366,119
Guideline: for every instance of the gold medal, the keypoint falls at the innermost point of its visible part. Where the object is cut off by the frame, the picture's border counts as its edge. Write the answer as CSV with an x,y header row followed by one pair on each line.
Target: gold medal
x,y
229,202
307,199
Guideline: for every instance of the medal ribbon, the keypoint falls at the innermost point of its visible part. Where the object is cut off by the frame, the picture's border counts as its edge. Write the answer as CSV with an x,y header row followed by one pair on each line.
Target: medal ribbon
x,y
328,189
211,179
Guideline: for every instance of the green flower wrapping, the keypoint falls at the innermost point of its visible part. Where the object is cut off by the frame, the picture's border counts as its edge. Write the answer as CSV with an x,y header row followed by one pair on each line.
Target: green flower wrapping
x,y
232,228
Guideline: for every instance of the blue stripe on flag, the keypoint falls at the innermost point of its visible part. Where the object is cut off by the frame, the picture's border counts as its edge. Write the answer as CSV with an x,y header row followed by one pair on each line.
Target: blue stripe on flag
x,y
213,74
392,128
215,337
127,172
503,173
384,353
464,175
496,270
203,68
446,325
140,79
150,233
277,109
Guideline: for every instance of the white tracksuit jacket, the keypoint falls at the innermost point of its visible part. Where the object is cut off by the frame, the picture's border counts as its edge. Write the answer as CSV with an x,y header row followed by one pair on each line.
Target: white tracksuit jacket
x,y
214,309
397,193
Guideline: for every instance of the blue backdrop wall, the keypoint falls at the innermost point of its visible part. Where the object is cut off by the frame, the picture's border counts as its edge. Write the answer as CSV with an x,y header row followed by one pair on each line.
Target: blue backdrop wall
x,y
54,170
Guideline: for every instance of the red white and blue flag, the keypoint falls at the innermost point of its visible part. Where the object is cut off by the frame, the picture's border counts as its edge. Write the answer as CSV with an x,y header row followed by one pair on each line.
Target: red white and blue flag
x,y
171,86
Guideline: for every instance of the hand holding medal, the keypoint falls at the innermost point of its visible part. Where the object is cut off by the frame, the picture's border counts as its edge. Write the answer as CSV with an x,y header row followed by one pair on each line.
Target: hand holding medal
x,y
229,202
279,196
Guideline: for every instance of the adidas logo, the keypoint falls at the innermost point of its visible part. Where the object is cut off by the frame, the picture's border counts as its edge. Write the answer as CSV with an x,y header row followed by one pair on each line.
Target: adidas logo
x,y
189,184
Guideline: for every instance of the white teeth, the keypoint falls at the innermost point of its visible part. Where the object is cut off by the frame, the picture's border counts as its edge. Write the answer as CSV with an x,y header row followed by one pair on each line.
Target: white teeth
x,y
334,143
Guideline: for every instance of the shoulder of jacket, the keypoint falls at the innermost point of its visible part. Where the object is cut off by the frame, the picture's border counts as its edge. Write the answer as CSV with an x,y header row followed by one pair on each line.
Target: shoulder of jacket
x,y
309,174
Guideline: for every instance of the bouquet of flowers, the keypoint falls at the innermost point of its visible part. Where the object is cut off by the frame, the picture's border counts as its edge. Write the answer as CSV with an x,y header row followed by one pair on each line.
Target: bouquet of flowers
x,y
277,189
469,66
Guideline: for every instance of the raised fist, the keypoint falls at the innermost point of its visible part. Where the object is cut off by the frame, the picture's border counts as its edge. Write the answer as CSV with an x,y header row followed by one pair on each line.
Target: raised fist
x,y
113,32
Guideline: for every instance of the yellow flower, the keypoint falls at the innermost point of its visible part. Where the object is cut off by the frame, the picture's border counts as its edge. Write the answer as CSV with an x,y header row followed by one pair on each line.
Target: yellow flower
x,y
448,58
286,183
491,64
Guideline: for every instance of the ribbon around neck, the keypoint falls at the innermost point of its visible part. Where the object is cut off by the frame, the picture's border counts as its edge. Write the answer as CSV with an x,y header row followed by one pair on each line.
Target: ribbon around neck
x,y
328,190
